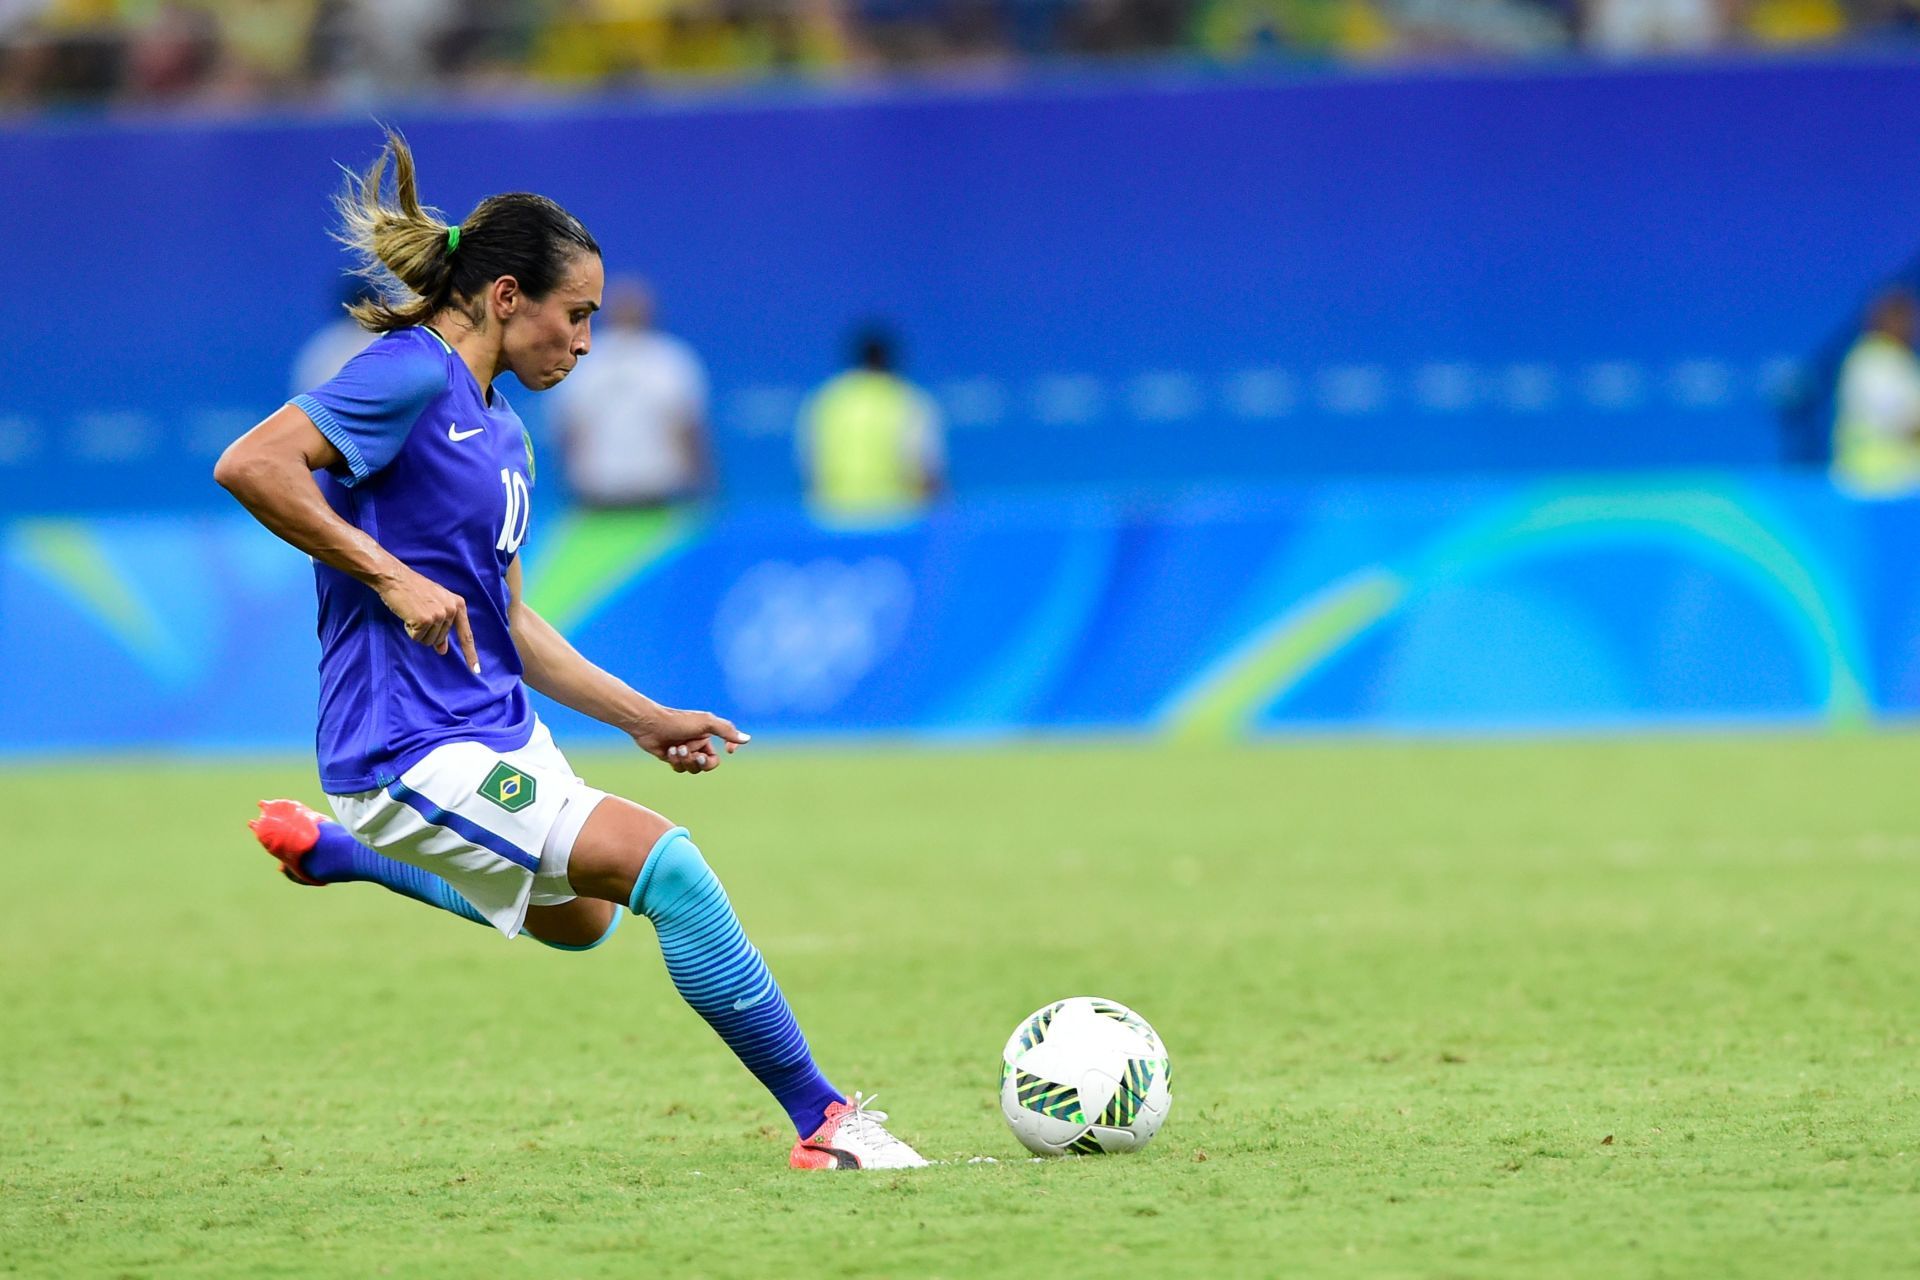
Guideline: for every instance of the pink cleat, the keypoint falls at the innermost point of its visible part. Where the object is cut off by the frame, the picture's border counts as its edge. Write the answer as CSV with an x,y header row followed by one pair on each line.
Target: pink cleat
x,y
288,830
853,1138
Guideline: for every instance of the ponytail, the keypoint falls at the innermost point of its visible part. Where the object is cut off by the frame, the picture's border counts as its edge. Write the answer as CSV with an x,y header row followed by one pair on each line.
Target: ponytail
x,y
420,265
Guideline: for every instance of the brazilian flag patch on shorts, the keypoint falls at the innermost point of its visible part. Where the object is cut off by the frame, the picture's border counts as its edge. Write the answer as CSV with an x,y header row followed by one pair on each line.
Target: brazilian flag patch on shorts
x,y
507,787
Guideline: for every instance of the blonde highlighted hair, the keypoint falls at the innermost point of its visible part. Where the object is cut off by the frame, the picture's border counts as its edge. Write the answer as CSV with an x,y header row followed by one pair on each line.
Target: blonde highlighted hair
x,y
405,252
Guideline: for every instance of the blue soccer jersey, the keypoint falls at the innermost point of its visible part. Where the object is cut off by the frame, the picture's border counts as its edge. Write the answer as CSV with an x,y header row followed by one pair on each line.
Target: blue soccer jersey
x,y
441,479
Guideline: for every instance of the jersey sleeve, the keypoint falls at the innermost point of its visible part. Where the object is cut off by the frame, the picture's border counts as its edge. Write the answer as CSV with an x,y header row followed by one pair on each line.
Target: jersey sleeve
x,y
366,410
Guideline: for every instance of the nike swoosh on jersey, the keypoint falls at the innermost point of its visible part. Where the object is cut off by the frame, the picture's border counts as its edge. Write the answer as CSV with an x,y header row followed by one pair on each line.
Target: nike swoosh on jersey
x,y
454,432
738,1005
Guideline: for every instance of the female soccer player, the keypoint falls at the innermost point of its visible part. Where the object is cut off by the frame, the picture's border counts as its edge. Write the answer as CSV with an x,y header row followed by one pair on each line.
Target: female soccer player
x,y
406,478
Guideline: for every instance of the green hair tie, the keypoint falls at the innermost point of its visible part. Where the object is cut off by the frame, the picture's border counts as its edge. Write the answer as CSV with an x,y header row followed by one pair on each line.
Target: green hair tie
x,y
453,237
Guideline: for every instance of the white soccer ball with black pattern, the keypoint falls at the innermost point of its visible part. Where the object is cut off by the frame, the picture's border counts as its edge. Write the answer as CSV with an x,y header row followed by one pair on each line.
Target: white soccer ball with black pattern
x,y
1084,1076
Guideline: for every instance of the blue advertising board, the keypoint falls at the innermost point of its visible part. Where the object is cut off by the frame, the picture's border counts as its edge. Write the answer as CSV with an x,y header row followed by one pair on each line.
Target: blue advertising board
x,y
1399,605
1136,283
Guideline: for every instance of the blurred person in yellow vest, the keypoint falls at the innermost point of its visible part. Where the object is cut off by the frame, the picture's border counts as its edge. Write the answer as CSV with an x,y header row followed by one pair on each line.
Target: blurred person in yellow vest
x,y
1876,431
870,442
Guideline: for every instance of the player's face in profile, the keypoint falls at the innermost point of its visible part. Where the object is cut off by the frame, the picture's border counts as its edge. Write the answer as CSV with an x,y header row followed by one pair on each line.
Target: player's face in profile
x,y
550,334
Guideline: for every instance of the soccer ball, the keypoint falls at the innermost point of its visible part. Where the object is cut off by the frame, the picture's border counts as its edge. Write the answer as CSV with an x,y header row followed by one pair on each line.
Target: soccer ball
x,y
1084,1076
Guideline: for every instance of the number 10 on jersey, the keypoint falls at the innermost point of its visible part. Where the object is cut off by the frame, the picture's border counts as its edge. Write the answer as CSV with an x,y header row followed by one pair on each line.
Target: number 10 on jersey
x,y
519,511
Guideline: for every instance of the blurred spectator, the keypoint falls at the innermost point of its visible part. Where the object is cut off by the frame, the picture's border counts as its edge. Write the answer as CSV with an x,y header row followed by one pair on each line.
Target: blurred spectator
x,y
1876,449
632,416
66,51
173,55
1794,22
597,41
925,32
1125,26
1489,26
15,15
329,347
1627,27
1899,18
394,45
870,442
487,40
1355,29
263,47
54,52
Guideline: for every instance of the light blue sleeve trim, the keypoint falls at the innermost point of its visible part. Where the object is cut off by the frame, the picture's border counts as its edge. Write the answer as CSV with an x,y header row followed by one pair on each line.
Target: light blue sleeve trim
x,y
618,916
336,435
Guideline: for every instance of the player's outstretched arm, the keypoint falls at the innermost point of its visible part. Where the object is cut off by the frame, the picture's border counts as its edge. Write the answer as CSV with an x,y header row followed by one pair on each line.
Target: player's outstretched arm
x,y
683,739
270,470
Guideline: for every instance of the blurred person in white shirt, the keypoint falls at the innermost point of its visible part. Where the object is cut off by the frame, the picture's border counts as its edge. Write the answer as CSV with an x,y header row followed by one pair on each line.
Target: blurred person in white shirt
x,y
632,417
1627,28
371,50
1876,429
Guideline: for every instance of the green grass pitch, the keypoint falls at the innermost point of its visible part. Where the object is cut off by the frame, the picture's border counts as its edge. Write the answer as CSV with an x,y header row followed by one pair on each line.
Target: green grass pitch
x,y
1616,1007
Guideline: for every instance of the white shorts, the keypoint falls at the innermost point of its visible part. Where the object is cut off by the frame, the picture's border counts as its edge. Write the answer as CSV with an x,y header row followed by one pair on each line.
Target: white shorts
x,y
497,826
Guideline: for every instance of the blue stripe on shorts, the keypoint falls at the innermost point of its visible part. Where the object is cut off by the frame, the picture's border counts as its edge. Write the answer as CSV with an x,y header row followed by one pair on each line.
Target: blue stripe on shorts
x,y
468,830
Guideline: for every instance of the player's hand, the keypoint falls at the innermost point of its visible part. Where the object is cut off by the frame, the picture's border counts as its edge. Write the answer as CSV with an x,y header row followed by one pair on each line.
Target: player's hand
x,y
433,615
684,739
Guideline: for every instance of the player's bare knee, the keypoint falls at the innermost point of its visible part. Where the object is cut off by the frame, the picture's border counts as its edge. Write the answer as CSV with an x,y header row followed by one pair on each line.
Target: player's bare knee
x,y
613,847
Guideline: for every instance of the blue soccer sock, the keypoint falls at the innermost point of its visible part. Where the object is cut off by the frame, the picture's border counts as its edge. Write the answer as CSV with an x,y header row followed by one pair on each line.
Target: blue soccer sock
x,y
718,972
337,858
